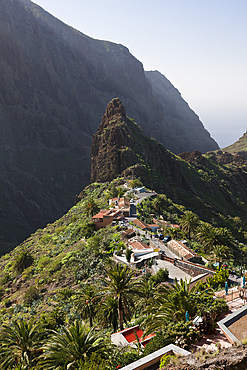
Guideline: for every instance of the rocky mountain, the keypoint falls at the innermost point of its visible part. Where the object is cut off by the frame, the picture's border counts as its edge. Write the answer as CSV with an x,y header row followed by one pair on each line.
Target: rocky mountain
x,y
212,185
119,146
181,126
55,83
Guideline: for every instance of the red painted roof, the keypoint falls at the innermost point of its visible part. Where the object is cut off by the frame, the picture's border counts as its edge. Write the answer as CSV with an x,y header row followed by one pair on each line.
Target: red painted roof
x,y
130,335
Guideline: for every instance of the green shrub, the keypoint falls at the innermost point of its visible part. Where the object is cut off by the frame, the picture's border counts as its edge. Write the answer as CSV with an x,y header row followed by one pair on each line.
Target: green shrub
x,y
54,266
7,303
156,343
1,292
60,229
161,276
45,239
23,260
43,261
128,254
5,279
219,278
95,362
165,360
31,295
27,273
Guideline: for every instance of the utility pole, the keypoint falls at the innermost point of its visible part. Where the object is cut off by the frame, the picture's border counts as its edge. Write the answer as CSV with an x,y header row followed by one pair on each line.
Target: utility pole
x,y
241,245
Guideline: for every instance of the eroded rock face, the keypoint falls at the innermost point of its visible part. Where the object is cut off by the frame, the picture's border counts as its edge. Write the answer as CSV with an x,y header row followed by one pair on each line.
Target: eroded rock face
x,y
181,127
120,148
200,182
234,358
194,157
55,83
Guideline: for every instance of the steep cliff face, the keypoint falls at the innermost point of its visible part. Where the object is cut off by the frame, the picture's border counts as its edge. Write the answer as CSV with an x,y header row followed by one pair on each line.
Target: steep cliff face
x,y
179,121
119,146
55,83
202,183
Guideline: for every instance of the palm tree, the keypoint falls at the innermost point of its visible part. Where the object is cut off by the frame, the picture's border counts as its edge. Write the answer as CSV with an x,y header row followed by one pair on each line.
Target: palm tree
x,y
68,348
210,236
221,253
189,222
23,260
160,202
147,290
108,313
86,302
207,235
21,343
91,207
225,237
170,303
174,232
122,286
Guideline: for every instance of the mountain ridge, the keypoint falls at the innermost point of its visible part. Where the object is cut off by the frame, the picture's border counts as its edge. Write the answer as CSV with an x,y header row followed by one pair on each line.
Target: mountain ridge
x,y
55,83
239,147
212,185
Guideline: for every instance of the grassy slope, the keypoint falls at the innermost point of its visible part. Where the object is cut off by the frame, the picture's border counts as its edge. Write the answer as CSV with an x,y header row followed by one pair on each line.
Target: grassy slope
x,y
238,146
61,259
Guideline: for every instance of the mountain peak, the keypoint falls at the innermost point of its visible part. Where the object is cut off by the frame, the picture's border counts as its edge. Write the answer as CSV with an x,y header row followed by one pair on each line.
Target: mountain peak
x,y
115,107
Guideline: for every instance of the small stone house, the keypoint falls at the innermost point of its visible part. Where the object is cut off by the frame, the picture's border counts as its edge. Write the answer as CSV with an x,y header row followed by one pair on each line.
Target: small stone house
x,y
183,252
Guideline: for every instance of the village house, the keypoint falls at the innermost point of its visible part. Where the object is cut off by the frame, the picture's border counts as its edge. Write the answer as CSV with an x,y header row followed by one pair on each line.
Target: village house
x,y
139,248
106,216
165,223
113,202
183,252
154,227
141,224
127,234
121,203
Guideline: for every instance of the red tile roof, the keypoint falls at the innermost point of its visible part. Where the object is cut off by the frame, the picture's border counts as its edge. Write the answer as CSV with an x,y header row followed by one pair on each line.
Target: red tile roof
x,y
108,212
139,245
141,224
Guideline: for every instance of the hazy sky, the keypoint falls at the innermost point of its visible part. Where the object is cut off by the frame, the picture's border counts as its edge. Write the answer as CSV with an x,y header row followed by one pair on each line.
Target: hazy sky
x,y
199,45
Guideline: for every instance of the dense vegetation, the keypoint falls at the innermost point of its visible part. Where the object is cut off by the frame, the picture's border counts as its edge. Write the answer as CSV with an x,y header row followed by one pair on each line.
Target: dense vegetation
x,y
64,279
217,244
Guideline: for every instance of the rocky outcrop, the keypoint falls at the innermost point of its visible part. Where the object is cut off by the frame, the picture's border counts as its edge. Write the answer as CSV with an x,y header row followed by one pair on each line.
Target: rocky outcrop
x,y
234,358
119,147
195,157
202,183
55,83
